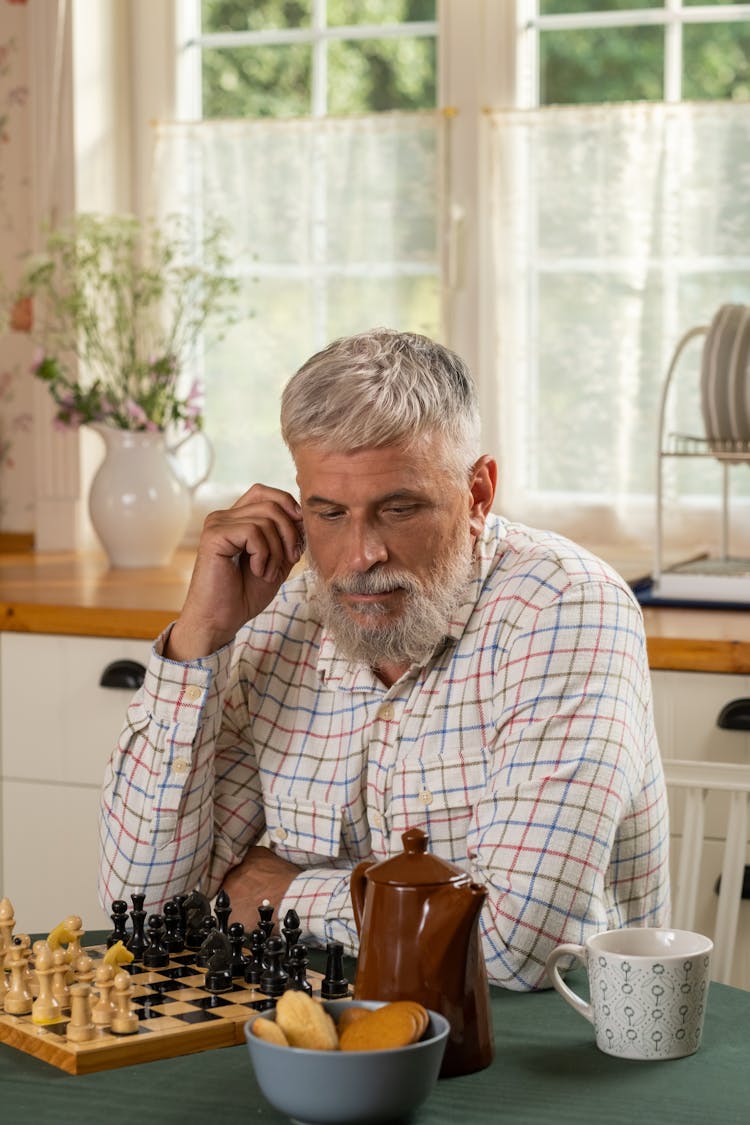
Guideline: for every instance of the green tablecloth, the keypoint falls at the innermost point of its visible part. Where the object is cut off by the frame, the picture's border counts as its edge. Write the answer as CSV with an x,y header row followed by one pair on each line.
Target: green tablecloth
x,y
546,1071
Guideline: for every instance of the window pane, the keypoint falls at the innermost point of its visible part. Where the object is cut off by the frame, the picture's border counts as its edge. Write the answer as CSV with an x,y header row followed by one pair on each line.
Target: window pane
x,y
352,12
602,65
272,81
366,75
238,15
716,61
564,7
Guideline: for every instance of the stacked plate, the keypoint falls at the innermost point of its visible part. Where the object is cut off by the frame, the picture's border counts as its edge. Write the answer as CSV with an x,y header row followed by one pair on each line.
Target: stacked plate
x,y
725,380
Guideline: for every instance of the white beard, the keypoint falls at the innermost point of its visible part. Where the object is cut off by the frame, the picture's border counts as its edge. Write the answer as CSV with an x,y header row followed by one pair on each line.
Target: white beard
x,y
413,635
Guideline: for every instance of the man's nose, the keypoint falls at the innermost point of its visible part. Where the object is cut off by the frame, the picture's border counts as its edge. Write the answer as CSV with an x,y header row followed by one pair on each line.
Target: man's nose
x,y
366,548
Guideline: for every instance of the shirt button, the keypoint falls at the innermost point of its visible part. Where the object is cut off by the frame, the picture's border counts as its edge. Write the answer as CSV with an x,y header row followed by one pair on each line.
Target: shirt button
x,y
193,692
425,797
386,712
376,820
180,765
280,833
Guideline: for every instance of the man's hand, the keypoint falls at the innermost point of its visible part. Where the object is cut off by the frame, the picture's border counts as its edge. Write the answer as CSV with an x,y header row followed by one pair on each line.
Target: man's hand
x,y
244,555
261,875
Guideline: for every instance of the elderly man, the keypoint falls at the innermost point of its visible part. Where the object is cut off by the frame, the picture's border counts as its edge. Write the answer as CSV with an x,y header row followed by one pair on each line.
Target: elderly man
x,y
434,666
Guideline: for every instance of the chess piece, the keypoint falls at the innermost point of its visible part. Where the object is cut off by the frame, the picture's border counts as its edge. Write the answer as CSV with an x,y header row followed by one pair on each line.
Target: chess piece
x,y
124,1019
197,908
274,978
118,956
254,967
290,931
297,969
174,934
219,970
18,998
60,969
103,1009
214,942
80,1028
119,918
334,984
222,910
83,969
138,915
265,914
46,1007
156,954
7,922
236,942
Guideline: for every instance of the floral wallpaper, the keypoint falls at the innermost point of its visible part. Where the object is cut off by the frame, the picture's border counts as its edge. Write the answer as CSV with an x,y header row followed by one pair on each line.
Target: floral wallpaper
x,y
16,383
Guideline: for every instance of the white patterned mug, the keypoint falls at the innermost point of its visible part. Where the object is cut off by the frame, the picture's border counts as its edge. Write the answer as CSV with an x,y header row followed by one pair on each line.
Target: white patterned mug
x,y
647,987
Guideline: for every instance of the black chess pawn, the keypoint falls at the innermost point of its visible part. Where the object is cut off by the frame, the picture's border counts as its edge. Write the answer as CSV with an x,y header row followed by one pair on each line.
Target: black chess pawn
x,y
119,917
156,954
174,937
265,915
297,969
222,910
274,978
334,984
237,940
290,931
255,966
138,916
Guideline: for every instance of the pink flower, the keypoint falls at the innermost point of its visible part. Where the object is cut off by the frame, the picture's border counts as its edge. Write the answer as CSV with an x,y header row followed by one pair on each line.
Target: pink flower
x,y
37,361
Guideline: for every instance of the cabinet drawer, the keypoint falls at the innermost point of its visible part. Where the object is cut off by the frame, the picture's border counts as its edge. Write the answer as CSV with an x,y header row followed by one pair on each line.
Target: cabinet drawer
x,y
56,723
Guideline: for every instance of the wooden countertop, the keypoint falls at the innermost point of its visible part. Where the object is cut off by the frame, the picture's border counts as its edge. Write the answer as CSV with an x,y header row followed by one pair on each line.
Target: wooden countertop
x,y
80,595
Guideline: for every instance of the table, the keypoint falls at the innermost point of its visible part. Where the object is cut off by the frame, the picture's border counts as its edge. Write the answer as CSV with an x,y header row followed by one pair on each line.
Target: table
x,y
546,1070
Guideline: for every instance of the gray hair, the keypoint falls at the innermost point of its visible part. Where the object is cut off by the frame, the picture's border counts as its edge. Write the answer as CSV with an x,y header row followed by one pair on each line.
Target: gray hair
x,y
380,388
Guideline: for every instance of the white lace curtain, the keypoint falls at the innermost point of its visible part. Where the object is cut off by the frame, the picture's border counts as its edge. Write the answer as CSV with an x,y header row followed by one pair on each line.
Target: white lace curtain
x,y
608,232
332,227
615,229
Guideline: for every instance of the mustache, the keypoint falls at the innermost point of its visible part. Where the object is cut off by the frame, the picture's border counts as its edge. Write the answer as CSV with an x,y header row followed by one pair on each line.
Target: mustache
x,y
375,582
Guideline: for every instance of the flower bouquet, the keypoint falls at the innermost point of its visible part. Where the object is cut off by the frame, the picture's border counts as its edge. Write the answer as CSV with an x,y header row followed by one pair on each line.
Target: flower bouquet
x,y
118,306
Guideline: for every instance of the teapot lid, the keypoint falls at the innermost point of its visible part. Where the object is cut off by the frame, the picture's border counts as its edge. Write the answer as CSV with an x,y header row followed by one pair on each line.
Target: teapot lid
x,y
415,866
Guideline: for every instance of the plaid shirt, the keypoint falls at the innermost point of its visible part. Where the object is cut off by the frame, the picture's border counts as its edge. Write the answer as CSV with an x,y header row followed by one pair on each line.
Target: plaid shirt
x,y
525,749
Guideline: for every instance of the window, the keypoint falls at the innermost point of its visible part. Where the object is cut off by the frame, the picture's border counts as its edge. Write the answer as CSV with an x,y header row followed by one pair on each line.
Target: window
x,y
570,340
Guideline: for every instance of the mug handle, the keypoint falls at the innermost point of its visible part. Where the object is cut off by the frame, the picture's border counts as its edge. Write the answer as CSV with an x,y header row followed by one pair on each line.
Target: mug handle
x,y
576,1002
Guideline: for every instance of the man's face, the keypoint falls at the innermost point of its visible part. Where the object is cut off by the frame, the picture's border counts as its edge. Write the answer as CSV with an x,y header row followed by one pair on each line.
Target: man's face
x,y
389,536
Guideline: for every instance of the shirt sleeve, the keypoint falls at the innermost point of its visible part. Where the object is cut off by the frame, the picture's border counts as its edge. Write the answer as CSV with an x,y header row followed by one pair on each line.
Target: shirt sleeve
x,y
574,746
180,802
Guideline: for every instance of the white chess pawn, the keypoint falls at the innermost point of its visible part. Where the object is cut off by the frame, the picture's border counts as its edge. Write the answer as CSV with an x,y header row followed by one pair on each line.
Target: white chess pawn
x,y
80,1028
103,1009
7,922
45,1008
83,967
124,1020
18,998
61,966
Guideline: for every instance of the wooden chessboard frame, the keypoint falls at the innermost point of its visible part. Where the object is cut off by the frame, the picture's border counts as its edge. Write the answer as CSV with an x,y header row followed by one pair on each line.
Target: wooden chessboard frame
x,y
204,1021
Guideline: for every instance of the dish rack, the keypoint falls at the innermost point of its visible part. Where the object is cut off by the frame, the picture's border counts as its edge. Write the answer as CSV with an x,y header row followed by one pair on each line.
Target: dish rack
x,y
705,578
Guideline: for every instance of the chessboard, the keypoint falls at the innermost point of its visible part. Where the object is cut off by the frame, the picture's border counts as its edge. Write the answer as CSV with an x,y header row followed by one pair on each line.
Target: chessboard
x,y
176,1016
181,982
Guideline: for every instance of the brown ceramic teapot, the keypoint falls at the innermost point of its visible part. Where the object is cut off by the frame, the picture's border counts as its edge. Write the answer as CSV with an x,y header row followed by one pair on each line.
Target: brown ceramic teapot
x,y
418,922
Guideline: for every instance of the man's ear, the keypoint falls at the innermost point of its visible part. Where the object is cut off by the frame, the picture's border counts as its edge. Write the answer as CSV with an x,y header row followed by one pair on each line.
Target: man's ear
x,y
482,485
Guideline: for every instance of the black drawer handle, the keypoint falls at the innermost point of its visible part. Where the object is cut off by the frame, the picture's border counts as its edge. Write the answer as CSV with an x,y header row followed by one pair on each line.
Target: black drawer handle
x,y
123,674
735,715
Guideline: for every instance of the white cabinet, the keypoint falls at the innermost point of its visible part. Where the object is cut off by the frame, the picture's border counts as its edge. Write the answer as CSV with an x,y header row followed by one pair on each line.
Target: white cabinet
x,y
687,706
57,729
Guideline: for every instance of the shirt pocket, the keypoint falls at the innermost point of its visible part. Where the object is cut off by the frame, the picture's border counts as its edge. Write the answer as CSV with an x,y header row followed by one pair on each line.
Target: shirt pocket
x,y
439,795
304,832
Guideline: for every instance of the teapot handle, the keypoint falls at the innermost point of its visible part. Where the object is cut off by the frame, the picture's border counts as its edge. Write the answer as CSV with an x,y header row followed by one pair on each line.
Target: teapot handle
x,y
358,886
173,449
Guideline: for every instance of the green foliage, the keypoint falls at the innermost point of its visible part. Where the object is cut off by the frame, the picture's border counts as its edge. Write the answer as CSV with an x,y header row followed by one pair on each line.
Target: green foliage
x,y
118,307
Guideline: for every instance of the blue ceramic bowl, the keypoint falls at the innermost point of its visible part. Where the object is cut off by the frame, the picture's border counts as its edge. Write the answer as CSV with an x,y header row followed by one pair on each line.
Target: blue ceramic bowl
x,y
362,1087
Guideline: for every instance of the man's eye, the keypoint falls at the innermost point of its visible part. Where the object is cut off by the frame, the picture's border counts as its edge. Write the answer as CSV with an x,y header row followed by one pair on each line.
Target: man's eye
x,y
401,510
333,514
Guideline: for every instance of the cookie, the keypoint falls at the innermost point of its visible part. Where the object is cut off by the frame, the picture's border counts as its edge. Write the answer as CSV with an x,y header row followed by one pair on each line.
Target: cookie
x,y
350,1015
395,1025
270,1032
305,1022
